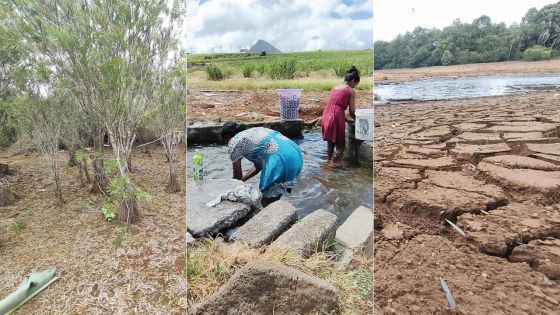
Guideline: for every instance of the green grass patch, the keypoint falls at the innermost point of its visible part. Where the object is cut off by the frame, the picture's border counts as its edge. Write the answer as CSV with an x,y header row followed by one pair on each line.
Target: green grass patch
x,y
19,226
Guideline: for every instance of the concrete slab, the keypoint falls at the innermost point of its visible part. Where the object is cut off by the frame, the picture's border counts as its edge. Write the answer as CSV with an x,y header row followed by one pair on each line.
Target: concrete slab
x,y
268,224
203,220
309,234
356,232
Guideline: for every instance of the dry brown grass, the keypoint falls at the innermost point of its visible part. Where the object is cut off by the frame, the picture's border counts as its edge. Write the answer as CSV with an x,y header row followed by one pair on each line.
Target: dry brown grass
x,y
145,275
211,263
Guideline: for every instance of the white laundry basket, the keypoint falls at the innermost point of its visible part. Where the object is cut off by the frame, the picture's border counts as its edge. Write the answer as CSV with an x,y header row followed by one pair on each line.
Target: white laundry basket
x,y
289,103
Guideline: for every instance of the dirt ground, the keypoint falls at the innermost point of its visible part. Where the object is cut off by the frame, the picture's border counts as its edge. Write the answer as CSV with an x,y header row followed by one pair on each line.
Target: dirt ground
x,y
475,69
492,167
256,105
145,275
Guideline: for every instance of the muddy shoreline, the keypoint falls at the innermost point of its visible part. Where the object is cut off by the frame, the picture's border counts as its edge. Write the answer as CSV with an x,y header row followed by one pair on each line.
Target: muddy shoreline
x,y
489,165
392,76
215,106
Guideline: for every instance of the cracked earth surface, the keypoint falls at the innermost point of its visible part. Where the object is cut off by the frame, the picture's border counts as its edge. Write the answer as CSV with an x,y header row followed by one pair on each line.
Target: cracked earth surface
x,y
492,167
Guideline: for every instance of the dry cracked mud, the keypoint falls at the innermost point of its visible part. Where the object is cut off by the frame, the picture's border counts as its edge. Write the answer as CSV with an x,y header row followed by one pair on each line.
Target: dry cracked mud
x,y
492,167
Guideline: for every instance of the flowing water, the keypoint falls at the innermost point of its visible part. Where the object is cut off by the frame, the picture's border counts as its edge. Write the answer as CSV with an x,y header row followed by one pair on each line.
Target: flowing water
x,y
465,87
339,191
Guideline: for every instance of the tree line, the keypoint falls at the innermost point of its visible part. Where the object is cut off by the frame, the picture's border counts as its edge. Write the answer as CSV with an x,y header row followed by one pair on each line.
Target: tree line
x,y
75,72
536,37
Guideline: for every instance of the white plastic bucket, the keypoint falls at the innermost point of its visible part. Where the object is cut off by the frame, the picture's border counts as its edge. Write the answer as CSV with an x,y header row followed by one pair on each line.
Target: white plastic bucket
x,y
364,124
289,103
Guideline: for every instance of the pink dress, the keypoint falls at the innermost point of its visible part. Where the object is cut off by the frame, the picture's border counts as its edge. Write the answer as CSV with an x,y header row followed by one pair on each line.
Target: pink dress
x,y
333,124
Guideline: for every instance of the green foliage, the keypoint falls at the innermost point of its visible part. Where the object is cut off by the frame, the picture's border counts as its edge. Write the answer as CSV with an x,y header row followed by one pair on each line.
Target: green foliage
x,y
282,69
446,58
80,155
122,231
247,70
110,165
305,62
120,191
538,52
108,211
215,72
19,226
479,41
341,68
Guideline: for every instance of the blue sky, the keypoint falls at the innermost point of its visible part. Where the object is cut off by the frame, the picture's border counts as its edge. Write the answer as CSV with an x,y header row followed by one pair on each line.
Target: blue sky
x,y
290,25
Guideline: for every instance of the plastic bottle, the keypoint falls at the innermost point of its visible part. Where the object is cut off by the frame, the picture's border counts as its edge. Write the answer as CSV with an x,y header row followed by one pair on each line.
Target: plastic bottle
x,y
198,167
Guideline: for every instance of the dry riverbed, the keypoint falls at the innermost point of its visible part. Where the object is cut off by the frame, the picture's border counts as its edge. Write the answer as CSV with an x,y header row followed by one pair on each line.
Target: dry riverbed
x,y
492,167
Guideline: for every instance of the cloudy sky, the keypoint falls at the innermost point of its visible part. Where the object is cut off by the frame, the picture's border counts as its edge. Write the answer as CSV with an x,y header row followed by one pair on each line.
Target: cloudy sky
x,y
289,25
393,17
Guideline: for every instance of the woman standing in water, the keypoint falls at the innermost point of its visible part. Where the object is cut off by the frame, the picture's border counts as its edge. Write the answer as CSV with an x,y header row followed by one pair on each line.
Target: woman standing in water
x,y
333,121
277,158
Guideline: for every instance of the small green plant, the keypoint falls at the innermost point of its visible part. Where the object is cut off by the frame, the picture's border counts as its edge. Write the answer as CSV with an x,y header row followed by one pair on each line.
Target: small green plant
x,y
110,165
80,156
122,231
214,72
108,211
19,226
81,208
119,193
247,70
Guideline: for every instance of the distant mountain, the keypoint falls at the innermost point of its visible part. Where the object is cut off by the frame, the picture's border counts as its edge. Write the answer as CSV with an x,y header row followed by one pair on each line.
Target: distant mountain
x,y
262,45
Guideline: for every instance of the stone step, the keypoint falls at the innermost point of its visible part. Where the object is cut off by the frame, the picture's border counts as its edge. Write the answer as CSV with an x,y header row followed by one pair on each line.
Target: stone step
x,y
309,234
356,233
505,227
203,220
264,287
268,224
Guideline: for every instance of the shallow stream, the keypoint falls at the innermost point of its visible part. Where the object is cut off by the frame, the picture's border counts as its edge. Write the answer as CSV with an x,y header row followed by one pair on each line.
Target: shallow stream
x,y
339,191
466,87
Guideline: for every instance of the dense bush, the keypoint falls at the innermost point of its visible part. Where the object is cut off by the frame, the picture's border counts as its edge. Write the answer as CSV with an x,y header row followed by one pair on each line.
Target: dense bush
x,y
536,37
537,53
215,72
247,70
282,69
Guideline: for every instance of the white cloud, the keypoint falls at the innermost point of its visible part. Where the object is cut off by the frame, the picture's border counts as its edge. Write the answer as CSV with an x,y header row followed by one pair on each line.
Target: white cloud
x,y
394,17
296,25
